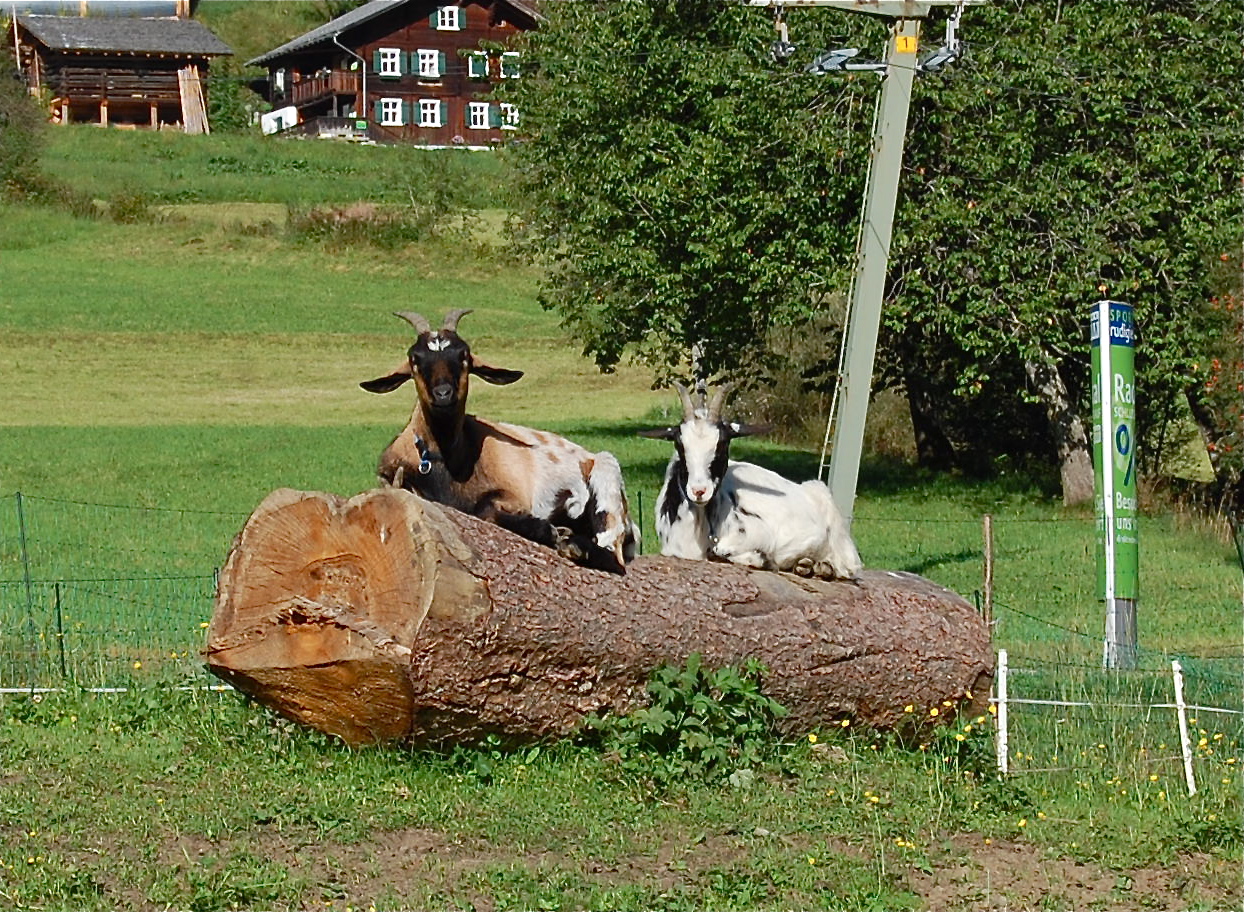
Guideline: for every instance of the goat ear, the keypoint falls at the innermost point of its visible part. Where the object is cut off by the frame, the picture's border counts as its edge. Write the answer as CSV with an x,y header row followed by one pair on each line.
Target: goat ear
x,y
747,430
666,433
497,375
389,382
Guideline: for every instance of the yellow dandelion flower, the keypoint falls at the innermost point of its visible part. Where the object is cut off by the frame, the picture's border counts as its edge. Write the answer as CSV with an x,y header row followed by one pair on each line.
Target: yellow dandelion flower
x,y
1218,736
811,860
846,722
1023,822
960,737
933,711
1040,815
874,799
811,738
1153,777
909,708
947,703
203,625
138,664
993,710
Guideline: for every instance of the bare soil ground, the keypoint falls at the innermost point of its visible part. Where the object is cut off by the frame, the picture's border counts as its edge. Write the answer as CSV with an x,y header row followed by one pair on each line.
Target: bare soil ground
x,y
965,874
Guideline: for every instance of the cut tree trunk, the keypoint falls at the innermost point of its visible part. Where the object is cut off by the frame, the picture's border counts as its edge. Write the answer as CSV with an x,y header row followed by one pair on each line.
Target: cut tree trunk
x,y
1075,460
386,617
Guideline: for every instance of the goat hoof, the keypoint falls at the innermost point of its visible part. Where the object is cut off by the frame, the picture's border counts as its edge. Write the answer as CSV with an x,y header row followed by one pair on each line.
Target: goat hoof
x,y
823,570
564,543
805,567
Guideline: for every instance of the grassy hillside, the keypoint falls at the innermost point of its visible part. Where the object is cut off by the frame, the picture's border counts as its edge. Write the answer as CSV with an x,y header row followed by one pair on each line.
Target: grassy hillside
x,y
164,372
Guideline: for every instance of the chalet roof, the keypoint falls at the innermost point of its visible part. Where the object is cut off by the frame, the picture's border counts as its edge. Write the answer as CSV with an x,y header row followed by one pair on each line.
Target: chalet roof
x,y
323,35
127,35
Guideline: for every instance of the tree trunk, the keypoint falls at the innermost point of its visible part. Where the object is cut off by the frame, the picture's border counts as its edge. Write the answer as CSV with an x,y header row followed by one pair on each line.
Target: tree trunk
x,y
388,617
933,447
1075,461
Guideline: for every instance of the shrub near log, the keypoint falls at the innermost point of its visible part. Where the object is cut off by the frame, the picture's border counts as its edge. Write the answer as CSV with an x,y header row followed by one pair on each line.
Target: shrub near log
x,y
387,617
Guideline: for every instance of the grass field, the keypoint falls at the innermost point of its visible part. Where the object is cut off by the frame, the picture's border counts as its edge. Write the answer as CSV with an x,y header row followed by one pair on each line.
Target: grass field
x,y
161,376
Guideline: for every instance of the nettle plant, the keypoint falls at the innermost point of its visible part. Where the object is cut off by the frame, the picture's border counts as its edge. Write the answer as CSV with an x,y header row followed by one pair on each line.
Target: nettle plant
x,y
701,723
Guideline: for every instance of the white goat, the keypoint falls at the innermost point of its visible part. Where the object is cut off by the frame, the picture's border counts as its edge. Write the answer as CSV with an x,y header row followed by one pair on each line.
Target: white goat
x,y
536,484
712,506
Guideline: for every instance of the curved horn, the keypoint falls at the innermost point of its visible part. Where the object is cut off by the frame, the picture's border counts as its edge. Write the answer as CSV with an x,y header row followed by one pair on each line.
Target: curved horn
x,y
452,318
418,321
688,407
719,399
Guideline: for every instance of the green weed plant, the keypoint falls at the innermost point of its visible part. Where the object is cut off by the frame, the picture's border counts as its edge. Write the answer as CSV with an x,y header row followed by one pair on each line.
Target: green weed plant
x,y
701,723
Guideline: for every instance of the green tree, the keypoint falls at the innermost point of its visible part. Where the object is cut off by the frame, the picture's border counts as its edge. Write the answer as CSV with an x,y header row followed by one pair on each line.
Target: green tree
x,y
1081,151
682,191
687,190
22,127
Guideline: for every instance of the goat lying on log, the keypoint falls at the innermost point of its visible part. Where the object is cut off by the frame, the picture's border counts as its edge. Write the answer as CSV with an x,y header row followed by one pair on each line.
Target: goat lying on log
x,y
536,484
712,506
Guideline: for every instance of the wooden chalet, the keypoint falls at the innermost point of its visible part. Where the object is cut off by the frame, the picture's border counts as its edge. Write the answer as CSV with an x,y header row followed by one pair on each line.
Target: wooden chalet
x,y
138,72
418,70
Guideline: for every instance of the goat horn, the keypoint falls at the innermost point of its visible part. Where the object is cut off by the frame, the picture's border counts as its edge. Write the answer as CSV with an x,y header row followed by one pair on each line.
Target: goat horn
x,y
418,321
688,407
719,399
452,318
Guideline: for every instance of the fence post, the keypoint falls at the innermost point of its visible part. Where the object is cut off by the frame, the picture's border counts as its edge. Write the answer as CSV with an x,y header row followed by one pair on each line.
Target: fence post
x,y
60,635
1004,763
1181,710
31,629
988,531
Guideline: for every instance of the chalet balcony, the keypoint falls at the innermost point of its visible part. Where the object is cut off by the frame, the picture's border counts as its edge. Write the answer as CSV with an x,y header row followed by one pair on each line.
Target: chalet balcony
x,y
314,88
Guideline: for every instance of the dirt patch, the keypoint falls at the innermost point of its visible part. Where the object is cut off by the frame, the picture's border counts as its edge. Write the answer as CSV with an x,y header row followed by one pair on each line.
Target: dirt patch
x,y
964,874
968,875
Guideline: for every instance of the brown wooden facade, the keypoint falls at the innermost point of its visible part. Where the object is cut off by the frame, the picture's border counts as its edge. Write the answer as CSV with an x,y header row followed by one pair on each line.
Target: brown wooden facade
x,y
416,69
136,72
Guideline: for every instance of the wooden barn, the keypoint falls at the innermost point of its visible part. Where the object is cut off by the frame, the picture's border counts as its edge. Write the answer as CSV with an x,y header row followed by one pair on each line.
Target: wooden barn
x,y
122,71
420,71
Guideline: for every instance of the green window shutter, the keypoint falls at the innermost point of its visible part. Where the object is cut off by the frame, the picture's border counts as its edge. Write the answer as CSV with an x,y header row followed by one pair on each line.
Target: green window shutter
x,y
494,116
444,113
375,61
479,66
379,112
436,12
407,113
440,64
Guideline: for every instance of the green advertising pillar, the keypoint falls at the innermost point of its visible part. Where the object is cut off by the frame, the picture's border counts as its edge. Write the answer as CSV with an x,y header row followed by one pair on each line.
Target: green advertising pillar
x,y
1112,333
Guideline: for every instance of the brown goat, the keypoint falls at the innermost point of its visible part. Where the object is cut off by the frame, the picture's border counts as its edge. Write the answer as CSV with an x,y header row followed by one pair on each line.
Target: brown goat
x,y
534,483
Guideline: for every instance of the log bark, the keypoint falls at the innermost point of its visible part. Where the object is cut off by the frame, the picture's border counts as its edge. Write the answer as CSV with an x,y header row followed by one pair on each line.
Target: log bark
x,y
387,617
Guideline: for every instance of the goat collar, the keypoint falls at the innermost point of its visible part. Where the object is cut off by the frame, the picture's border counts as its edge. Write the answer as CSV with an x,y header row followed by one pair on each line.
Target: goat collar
x,y
426,455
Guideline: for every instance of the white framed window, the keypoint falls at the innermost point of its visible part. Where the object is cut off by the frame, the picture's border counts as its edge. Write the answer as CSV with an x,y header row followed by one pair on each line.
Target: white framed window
x,y
431,63
391,112
477,64
429,112
477,115
509,116
509,65
447,18
389,61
